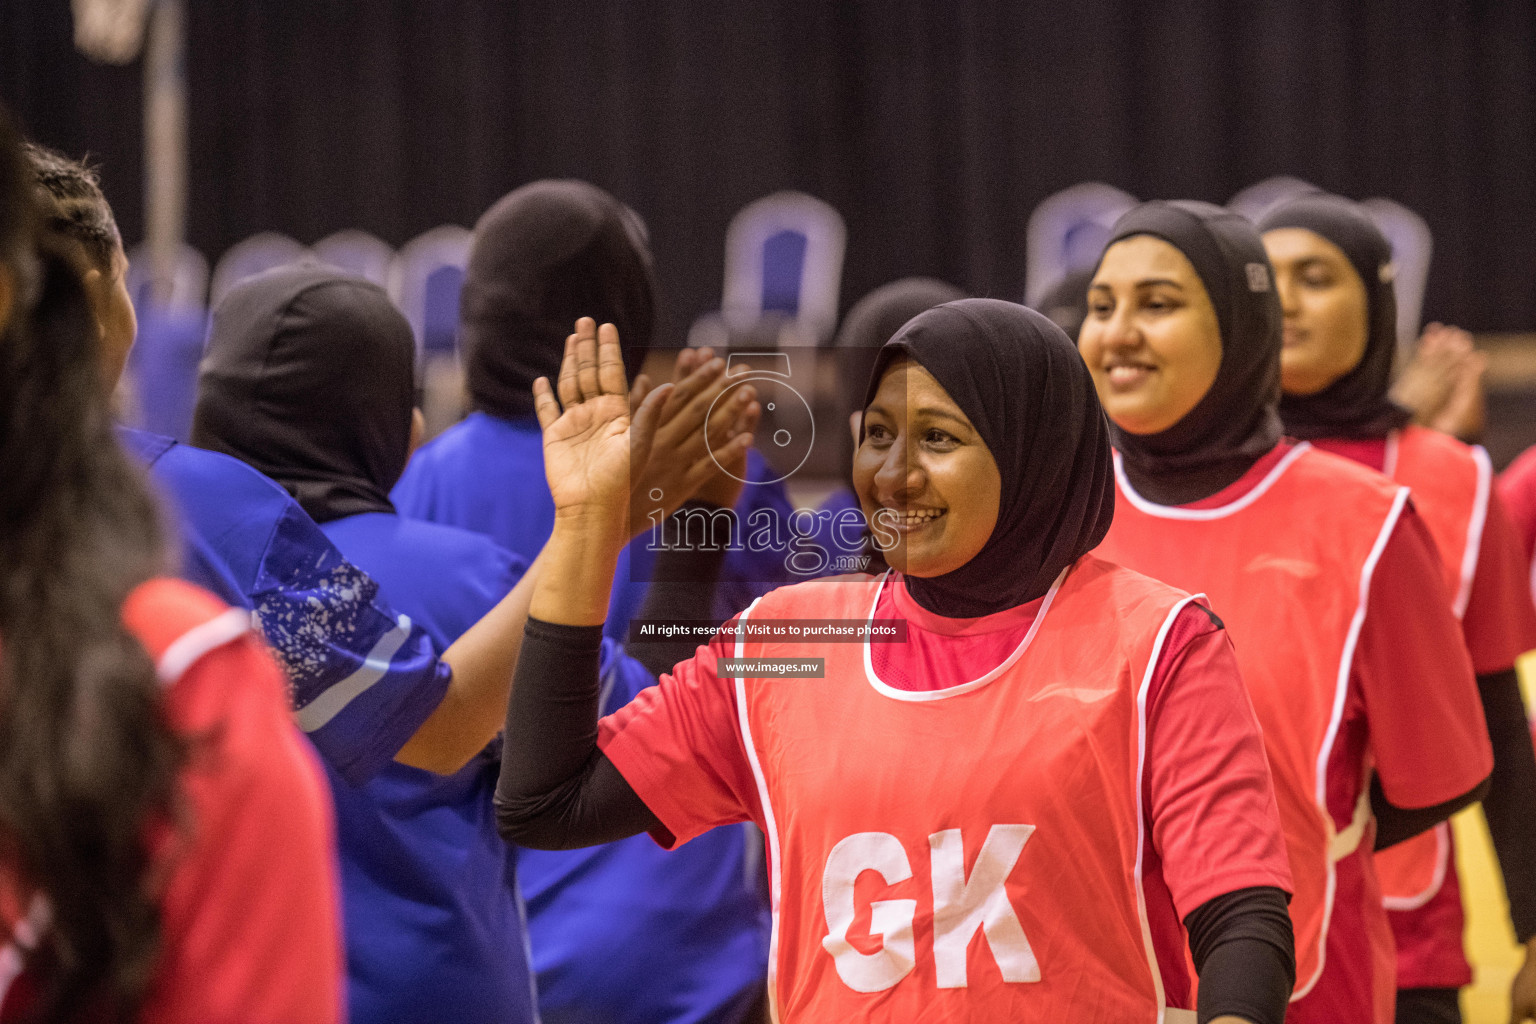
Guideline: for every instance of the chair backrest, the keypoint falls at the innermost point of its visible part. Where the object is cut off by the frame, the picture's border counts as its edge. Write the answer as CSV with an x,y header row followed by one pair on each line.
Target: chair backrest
x,y
357,252
1412,246
1259,198
162,370
189,281
784,256
1067,232
425,279
245,259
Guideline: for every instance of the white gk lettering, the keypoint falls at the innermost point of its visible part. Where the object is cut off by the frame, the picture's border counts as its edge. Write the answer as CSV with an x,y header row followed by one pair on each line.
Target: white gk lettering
x,y
961,906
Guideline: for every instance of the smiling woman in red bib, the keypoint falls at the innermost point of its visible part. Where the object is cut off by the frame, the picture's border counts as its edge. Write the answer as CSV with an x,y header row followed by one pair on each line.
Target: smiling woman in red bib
x,y
1327,580
1334,274
1041,805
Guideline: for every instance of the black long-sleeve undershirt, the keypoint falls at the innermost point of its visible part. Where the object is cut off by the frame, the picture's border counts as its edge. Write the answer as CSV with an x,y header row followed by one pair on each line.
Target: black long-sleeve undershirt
x,y
557,791
1510,803
1244,950
1508,796
1394,824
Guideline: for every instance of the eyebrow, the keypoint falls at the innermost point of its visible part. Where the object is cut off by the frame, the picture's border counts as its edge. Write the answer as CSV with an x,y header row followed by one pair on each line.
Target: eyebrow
x,y
935,413
932,412
1146,282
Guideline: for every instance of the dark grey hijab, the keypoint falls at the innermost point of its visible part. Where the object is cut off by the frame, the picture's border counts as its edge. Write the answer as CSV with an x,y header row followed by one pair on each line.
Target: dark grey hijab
x,y
544,255
1236,422
309,378
1357,405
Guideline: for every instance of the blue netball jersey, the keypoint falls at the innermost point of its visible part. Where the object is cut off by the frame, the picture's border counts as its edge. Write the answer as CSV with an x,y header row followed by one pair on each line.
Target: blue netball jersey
x,y
625,933
361,685
433,921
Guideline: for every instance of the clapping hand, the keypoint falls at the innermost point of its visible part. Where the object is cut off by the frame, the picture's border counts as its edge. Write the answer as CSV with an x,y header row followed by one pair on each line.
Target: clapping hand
x,y
692,423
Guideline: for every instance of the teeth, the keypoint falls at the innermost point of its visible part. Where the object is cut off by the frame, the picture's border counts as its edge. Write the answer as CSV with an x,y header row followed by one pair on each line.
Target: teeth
x,y
915,517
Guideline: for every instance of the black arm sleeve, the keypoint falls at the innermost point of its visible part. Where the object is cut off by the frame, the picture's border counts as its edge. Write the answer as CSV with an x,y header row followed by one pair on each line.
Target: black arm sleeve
x,y
1245,954
1510,805
557,791
1394,823
682,588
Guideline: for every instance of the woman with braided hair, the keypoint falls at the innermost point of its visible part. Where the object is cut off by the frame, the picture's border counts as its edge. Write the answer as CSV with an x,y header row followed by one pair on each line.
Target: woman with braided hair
x,y
166,835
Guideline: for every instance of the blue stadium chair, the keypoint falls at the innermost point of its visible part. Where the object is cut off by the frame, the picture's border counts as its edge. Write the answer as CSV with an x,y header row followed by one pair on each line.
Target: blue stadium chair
x,y
784,261
1067,232
1259,198
1412,246
161,375
425,279
160,380
245,259
189,281
358,253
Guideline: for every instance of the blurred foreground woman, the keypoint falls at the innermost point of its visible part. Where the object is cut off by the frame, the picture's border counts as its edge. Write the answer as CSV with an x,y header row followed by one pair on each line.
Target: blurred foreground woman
x,y
1323,572
1333,272
166,835
1060,755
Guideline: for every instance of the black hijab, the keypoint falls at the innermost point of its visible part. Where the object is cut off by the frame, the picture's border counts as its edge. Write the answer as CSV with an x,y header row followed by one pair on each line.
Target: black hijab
x,y
1357,405
308,377
1235,423
543,256
1021,383
872,322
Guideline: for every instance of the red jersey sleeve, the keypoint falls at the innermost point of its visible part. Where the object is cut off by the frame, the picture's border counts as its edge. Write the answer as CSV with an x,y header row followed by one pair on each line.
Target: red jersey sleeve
x,y
679,746
1215,822
1517,489
1500,620
250,917
1414,686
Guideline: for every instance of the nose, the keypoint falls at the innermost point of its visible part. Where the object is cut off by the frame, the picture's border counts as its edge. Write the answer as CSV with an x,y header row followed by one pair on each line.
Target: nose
x,y
1121,330
1287,292
900,476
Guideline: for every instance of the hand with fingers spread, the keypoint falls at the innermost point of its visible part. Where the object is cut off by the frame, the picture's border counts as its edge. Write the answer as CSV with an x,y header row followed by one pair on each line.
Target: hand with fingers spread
x,y
724,486
590,439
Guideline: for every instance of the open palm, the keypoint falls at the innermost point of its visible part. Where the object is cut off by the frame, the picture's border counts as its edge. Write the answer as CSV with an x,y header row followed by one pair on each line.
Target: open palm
x,y
591,443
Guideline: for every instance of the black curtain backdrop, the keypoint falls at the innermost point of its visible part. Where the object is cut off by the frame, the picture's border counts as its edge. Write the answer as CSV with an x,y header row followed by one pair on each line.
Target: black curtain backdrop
x,y
935,127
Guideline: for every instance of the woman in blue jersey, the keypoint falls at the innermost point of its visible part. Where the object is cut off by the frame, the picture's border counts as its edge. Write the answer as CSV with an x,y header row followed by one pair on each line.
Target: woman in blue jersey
x,y
625,933
308,377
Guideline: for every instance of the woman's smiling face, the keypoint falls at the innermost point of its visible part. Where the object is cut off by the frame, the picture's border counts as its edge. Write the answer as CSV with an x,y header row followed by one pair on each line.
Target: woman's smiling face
x,y
927,483
1151,339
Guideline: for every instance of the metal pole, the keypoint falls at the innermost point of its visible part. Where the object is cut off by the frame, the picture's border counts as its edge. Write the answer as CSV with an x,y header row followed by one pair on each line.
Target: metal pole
x,y
165,143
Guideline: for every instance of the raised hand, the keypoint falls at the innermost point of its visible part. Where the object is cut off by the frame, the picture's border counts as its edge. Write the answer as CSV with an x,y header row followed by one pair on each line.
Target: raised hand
x,y
590,439
1443,383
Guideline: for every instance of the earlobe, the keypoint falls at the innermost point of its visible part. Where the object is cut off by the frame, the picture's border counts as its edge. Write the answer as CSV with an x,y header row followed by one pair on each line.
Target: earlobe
x,y
92,280
418,432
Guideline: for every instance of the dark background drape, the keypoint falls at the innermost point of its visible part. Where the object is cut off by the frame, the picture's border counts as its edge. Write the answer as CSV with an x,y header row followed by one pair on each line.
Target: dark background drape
x,y
935,127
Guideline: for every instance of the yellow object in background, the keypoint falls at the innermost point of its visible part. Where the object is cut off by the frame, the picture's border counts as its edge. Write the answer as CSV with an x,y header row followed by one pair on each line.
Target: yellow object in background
x,y
1490,942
